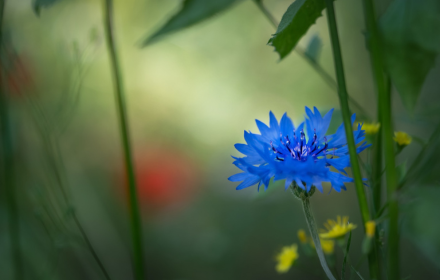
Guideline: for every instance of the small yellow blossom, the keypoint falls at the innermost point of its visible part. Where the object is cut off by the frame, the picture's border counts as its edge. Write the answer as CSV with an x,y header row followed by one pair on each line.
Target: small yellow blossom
x,y
328,246
370,228
286,258
302,236
337,228
370,128
402,138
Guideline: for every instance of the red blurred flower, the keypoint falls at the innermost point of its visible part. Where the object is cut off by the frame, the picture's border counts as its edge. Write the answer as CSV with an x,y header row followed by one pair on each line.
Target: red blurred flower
x,y
165,177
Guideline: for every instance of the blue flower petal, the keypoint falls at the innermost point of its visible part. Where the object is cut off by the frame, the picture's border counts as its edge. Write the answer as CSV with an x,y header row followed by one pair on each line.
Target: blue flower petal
x,y
287,127
239,177
248,182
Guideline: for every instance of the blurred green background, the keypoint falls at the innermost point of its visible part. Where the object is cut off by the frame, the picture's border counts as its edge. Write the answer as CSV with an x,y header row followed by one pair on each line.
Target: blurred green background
x,y
190,96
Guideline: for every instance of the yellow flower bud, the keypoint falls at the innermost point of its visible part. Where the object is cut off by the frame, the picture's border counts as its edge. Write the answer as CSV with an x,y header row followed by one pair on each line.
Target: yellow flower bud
x,y
370,228
286,258
371,128
302,236
402,138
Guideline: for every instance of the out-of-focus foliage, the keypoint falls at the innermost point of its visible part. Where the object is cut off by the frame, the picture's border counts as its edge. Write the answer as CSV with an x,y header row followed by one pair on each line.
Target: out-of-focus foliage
x,y
421,224
314,48
423,167
191,12
182,93
412,42
38,4
298,18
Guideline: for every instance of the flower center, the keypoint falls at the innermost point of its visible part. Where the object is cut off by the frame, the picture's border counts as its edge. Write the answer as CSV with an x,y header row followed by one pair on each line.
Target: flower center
x,y
299,149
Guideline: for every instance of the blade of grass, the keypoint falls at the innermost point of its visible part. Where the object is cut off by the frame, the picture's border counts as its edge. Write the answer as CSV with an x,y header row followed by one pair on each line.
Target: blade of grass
x,y
123,122
346,115
345,257
387,133
357,272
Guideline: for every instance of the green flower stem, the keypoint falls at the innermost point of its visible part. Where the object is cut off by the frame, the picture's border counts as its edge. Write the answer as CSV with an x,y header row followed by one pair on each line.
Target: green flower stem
x,y
8,171
315,236
384,93
343,99
134,208
328,79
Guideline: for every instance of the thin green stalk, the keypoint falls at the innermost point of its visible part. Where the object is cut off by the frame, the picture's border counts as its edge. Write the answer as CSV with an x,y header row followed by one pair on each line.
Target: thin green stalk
x,y
387,134
315,236
377,168
346,115
89,244
328,79
8,171
343,99
122,114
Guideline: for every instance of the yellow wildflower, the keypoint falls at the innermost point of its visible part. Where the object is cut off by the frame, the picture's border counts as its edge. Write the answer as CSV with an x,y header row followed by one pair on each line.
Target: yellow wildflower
x,y
370,228
337,228
370,128
302,236
328,246
286,258
402,138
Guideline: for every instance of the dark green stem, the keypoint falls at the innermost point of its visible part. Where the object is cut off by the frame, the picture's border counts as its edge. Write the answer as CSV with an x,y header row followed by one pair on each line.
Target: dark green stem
x,y
328,79
346,115
384,94
343,99
8,170
315,236
377,167
117,78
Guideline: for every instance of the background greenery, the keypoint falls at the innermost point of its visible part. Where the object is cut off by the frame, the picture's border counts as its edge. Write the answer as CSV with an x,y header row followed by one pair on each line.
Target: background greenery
x,y
190,95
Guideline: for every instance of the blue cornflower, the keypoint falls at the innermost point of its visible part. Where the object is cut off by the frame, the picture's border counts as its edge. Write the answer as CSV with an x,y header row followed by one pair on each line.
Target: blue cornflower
x,y
284,152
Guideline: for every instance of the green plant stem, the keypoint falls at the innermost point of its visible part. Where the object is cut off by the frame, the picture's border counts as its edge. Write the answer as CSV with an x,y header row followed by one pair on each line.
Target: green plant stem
x,y
328,79
377,165
343,99
8,171
315,236
384,94
117,78
346,115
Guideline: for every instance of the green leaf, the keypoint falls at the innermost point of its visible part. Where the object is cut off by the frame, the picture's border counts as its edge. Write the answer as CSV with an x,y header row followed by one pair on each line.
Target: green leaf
x,y
298,18
412,42
345,256
191,12
421,225
314,48
38,4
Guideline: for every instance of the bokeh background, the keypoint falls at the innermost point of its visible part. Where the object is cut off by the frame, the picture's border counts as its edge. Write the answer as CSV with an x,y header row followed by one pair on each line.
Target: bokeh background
x,y
190,97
